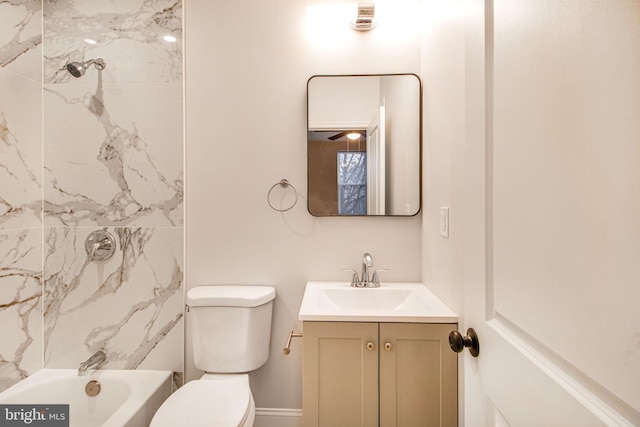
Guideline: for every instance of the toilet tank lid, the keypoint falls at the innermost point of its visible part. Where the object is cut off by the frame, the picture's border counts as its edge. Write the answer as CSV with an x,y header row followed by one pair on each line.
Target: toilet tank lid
x,y
230,296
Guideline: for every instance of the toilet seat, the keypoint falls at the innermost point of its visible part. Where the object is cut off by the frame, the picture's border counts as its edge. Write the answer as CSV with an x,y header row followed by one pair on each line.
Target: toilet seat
x,y
221,403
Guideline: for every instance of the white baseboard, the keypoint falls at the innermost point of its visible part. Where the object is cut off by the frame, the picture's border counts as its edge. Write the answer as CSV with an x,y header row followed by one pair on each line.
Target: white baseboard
x,y
277,417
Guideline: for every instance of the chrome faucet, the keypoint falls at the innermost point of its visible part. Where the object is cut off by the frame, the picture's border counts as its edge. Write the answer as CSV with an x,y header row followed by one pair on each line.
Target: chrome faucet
x,y
93,362
365,281
367,263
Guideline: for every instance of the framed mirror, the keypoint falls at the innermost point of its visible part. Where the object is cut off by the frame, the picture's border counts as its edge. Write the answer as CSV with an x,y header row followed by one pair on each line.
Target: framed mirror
x,y
364,145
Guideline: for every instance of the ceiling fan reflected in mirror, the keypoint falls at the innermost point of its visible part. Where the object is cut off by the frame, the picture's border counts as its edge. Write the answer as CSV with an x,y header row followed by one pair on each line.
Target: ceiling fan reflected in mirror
x,y
351,134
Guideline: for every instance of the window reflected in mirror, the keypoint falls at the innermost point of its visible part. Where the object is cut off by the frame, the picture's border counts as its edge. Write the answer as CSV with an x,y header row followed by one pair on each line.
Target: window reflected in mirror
x,y
352,182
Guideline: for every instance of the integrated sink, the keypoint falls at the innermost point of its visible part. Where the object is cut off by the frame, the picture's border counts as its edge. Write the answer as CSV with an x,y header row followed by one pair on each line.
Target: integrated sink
x,y
369,298
391,302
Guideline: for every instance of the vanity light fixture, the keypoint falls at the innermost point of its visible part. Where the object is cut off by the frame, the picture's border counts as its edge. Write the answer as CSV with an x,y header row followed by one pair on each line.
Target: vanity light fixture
x,y
365,19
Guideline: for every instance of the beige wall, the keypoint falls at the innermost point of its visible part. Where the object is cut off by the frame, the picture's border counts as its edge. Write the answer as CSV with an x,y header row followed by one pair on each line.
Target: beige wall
x,y
443,121
247,65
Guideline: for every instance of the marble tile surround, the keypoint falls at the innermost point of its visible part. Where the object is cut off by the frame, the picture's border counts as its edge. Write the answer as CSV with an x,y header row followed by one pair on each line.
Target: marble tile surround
x,y
106,151
128,150
129,35
20,304
120,128
20,152
21,37
20,190
129,306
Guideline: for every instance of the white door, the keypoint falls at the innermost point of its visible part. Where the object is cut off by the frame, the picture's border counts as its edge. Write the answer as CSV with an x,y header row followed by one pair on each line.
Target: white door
x,y
376,170
552,213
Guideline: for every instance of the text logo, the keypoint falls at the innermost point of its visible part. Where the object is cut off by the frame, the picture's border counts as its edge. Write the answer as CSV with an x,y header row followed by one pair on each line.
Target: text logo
x,y
34,415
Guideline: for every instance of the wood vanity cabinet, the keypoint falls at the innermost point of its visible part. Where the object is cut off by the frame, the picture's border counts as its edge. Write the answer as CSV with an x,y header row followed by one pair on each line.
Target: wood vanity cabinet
x,y
379,374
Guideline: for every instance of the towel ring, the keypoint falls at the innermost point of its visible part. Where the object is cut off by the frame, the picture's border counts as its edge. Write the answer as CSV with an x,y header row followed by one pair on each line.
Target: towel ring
x,y
284,183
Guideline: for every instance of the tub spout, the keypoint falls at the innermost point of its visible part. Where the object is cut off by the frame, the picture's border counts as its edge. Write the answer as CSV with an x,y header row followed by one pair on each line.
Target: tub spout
x,y
93,362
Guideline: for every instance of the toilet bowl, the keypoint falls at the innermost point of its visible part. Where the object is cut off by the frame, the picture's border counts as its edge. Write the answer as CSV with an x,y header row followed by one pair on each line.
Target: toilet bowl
x,y
230,337
213,400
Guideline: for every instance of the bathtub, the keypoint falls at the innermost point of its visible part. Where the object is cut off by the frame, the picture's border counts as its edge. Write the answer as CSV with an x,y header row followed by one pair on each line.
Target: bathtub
x,y
126,398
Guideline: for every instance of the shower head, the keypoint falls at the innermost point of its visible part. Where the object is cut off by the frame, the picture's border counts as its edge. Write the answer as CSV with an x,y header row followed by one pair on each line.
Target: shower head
x,y
77,69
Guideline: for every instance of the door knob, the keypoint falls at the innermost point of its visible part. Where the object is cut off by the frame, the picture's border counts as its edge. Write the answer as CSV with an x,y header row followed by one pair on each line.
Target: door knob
x,y
457,342
370,346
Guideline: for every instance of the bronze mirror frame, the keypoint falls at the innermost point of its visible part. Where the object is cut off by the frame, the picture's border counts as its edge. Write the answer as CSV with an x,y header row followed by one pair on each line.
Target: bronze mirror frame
x,y
323,169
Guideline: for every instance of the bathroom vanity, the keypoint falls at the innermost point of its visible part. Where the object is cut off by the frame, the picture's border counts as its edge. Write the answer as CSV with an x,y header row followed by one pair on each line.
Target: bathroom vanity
x,y
377,356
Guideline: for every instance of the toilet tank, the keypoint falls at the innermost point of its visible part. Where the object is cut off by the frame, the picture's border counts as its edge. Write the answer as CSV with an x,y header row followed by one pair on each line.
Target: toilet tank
x,y
230,327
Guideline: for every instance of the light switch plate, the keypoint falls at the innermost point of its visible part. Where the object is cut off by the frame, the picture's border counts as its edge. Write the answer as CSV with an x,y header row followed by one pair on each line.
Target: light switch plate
x,y
444,222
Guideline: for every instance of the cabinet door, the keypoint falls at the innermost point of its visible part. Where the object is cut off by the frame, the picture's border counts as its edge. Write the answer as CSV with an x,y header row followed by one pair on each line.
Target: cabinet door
x,y
340,374
418,376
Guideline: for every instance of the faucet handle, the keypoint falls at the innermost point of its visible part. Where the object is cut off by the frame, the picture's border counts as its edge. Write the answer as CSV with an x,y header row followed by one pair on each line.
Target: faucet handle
x,y
355,281
376,280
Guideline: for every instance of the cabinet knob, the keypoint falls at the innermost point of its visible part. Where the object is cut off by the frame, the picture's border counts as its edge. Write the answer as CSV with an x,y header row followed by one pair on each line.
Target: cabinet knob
x,y
457,342
370,346
388,346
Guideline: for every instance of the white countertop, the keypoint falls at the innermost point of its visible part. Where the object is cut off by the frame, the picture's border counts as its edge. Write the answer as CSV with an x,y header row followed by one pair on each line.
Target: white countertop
x,y
391,302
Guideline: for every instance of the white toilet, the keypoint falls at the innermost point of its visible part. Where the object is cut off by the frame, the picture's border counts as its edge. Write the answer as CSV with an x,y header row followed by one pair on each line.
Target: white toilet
x,y
230,335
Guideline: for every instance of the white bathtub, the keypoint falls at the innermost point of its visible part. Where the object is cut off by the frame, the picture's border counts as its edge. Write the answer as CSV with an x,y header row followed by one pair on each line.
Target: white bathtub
x,y
126,398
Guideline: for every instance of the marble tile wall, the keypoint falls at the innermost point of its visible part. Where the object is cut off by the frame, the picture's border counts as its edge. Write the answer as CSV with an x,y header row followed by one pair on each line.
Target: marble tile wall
x,y
21,288
129,306
106,152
